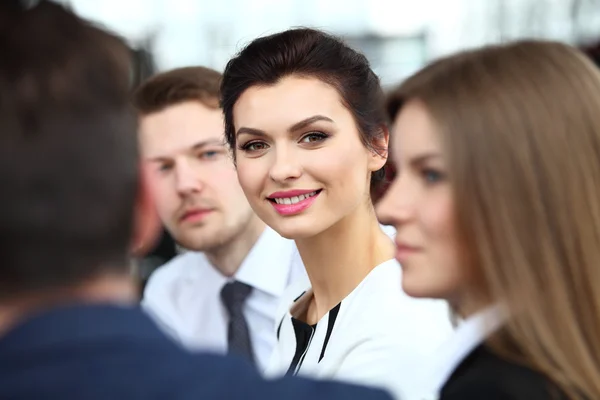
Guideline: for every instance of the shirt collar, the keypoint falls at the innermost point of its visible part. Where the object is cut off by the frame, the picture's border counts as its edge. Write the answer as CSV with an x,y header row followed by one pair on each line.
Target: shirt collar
x,y
469,334
268,265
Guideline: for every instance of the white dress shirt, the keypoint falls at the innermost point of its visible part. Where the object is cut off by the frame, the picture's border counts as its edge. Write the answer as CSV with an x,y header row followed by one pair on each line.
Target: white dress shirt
x,y
184,295
469,334
377,338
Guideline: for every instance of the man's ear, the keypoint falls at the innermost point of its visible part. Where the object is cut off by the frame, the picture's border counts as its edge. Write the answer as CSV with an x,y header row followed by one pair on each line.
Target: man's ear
x,y
379,152
146,223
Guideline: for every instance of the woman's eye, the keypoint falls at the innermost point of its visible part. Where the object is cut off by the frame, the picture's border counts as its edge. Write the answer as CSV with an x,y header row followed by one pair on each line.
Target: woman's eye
x,y
254,146
432,176
314,137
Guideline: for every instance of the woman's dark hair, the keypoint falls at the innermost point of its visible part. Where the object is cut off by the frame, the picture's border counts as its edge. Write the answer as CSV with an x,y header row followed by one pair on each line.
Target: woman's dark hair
x,y
310,53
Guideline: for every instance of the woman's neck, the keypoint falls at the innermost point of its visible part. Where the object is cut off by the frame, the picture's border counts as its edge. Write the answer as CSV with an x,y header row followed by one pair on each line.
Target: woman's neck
x,y
338,259
469,301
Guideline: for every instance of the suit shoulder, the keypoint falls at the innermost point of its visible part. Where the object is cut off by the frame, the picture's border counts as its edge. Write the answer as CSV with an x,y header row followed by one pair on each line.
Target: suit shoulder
x,y
488,389
217,372
493,388
486,375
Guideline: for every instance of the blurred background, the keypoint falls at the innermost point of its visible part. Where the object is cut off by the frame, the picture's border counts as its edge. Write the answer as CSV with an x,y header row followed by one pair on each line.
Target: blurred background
x,y
398,36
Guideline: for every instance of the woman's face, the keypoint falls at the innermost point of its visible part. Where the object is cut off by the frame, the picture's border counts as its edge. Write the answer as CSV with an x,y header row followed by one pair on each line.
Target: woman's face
x,y
300,160
419,203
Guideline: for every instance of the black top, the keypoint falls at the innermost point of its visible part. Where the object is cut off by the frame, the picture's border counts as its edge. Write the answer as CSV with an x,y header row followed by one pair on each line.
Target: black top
x,y
303,333
484,375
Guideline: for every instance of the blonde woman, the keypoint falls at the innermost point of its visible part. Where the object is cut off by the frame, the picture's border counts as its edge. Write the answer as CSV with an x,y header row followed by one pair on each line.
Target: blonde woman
x,y
497,210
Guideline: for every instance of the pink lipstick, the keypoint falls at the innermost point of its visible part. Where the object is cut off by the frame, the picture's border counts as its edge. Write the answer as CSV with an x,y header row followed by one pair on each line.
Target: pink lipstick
x,y
293,202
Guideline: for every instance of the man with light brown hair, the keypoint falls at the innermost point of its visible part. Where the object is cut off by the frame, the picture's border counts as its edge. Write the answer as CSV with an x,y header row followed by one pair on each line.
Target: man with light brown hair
x,y
223,293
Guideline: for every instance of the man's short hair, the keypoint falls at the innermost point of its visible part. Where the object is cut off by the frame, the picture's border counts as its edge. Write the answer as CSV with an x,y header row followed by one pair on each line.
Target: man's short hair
x,y
68,150
178,86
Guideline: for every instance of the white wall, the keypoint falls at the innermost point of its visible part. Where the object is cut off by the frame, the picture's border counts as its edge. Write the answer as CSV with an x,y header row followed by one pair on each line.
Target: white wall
x,y
208,32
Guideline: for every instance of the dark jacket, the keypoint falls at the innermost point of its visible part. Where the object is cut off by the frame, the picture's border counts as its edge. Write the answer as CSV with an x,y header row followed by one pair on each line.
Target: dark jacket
x,y
485,376
108,352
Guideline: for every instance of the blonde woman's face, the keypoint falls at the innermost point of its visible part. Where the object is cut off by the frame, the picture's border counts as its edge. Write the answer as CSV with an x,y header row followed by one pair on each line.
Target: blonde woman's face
x,y
419,203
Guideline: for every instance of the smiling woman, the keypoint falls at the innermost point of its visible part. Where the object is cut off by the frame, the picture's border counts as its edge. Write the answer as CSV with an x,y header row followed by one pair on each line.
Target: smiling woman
x,y
305,119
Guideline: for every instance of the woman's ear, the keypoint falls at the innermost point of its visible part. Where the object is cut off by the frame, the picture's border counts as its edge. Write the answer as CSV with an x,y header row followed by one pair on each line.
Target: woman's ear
x,y
379,149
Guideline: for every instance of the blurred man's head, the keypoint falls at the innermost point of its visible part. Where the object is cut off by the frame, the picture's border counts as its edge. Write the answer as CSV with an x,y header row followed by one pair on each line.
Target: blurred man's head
x,y
68,152
192,176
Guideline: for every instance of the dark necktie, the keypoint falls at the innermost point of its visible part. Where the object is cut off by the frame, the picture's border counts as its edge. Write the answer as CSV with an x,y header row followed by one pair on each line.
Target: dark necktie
x,y
234,295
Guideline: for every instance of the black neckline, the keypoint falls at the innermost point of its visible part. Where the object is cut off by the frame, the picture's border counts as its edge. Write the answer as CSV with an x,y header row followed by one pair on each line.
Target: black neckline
x,y
304,333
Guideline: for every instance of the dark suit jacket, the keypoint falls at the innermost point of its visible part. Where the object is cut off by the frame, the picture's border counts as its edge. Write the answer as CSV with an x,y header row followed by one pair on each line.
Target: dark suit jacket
x,y
112,353
485,376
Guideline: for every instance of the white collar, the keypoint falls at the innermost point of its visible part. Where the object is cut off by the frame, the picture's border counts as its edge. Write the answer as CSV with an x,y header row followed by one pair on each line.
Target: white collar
x,y
266,267
469,334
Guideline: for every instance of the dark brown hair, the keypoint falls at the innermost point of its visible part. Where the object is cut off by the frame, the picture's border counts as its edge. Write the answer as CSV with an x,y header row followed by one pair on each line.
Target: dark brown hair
x,y
178,86
520,128
310,53
68,150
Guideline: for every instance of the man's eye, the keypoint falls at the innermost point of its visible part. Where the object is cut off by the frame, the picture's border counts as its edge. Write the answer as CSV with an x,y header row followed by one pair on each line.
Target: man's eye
x,y
208,154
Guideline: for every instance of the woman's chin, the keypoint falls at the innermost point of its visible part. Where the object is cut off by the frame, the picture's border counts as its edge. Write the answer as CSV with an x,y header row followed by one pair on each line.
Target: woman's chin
x,y
418,288
295,230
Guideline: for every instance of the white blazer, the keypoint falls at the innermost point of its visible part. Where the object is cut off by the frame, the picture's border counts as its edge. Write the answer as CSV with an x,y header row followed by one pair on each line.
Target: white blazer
x,y
377,336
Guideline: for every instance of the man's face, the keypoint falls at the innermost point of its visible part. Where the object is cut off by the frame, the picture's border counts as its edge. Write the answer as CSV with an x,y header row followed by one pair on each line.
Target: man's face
x,y
192,176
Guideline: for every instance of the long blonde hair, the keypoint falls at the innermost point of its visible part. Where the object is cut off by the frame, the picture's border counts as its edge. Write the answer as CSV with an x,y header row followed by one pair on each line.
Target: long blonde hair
x,y
521,127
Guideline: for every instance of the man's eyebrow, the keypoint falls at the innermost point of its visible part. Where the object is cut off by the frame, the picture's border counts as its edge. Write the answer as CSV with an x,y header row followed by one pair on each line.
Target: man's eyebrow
x,y
208,142
194,147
